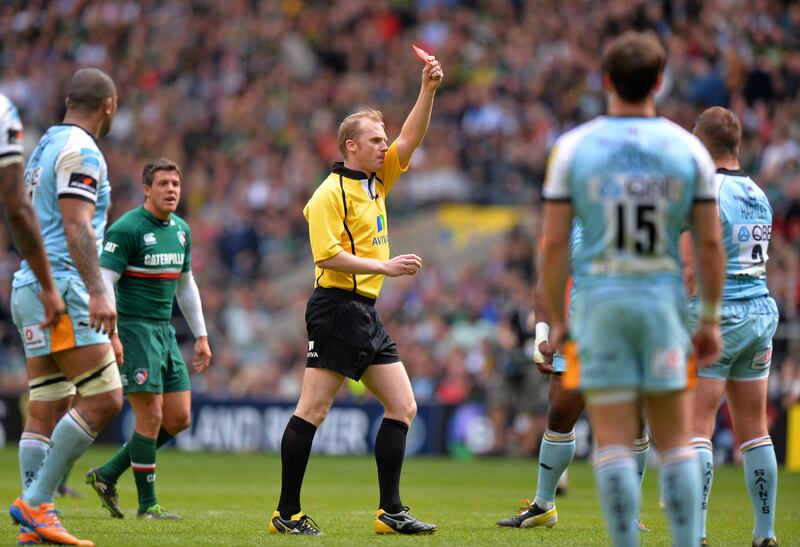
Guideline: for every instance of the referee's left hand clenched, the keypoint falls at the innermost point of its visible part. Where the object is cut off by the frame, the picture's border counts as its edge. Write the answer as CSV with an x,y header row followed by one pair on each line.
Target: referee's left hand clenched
x,y
202,354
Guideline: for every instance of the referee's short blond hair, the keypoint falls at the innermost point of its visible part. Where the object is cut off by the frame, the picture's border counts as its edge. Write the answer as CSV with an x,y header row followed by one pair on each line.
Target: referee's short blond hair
x,y
350,128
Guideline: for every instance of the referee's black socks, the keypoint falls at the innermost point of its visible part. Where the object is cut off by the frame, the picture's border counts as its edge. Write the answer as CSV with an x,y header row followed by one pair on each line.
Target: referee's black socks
x,y
295,450
390,449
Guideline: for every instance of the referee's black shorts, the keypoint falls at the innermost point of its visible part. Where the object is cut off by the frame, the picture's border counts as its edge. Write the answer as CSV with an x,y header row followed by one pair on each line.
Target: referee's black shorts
x,y
345,334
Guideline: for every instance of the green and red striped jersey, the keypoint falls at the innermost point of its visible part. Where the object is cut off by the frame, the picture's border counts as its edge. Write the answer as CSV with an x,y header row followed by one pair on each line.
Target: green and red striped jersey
x,y
150,254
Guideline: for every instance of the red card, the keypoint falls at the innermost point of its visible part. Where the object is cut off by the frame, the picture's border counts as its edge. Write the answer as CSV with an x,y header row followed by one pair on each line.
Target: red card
x,y
422,54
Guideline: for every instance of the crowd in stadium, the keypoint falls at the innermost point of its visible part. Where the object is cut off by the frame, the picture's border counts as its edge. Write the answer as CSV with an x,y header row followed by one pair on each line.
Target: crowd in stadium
x,y
245,95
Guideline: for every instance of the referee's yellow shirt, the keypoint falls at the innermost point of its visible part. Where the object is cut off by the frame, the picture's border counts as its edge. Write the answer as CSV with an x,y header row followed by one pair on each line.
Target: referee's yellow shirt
x,y
347,213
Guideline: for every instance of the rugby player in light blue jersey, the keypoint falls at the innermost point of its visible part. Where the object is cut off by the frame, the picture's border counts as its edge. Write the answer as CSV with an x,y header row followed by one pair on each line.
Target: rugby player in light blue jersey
x,y
634,179
749,321
19,213
68,182
564,408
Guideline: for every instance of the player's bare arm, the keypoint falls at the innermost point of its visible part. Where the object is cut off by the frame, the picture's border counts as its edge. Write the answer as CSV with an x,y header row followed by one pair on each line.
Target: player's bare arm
x,y
686,248
24,228
555,272
416,124
711,271
19,213
543,351
345,262
82,243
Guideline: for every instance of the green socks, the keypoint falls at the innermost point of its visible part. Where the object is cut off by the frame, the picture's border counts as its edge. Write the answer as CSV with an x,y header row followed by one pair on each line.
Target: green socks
x,y
121,460
142,451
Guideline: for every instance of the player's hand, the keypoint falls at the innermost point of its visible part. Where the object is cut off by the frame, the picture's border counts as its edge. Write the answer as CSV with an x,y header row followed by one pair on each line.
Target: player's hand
x,y
402,265
707,343
54,307
202,354
432,74
545,365
116,345
102,314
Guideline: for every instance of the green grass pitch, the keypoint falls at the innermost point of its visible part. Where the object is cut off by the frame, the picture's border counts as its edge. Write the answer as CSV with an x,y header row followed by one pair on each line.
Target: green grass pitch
x,y
225,499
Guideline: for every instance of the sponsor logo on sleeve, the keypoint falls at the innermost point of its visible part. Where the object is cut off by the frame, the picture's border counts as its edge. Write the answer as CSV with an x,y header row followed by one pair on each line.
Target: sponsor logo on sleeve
x,y
14,136
110,247
311,352
83,182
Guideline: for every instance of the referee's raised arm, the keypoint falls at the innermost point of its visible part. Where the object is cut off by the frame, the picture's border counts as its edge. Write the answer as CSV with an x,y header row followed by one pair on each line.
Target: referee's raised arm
x,y
416,124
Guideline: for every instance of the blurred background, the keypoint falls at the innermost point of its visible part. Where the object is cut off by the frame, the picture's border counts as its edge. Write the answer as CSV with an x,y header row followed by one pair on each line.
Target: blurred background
x,y
246,95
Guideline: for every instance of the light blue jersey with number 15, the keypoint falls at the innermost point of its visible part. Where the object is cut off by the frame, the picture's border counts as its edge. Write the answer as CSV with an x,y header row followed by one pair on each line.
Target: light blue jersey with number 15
x,y
632,182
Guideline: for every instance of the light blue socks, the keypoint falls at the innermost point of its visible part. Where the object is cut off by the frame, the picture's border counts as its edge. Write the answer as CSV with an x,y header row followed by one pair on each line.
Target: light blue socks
x,y
681,491
32,450
704,451
619,492
71,437
555,455
761,478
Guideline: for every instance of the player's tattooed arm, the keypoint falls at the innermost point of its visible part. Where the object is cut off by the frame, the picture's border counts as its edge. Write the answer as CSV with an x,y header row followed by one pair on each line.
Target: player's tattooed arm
x,y
82,242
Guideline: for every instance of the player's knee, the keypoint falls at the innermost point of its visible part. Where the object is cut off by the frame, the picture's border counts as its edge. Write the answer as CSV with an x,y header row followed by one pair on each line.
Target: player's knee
x,y
45,414
560,420
113,403
101,408
176,424
149,419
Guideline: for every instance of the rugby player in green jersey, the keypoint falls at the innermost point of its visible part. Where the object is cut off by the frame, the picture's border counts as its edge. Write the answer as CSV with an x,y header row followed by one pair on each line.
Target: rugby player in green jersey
x,y
147,255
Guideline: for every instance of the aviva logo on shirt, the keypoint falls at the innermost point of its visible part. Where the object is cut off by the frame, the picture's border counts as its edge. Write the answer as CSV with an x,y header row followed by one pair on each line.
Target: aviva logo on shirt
x,y
380,239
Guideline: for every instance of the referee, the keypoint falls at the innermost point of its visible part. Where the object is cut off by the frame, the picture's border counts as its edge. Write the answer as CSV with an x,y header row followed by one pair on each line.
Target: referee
x,y
350,243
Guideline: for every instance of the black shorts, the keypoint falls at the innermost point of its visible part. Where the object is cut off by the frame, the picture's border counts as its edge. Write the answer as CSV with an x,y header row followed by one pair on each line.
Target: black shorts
x,y
345,334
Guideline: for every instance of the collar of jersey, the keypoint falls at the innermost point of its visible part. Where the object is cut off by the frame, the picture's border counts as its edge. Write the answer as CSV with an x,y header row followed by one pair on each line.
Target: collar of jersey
x,y
155,220
340,169
731,172
79,127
